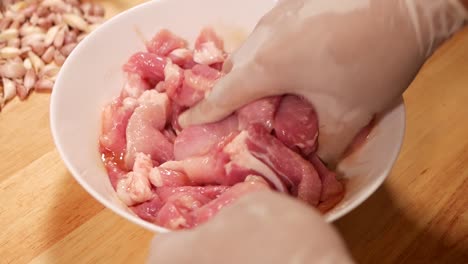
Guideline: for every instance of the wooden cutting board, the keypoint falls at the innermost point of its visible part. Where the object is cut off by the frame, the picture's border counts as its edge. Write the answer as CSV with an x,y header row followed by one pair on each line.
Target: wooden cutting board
x,y
420,215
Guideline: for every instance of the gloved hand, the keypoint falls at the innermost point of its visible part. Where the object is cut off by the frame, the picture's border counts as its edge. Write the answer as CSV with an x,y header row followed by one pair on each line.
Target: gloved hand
x,y
350,59
264,227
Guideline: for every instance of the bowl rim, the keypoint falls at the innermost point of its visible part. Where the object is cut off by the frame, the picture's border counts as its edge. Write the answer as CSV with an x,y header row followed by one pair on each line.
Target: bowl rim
x,y
400,108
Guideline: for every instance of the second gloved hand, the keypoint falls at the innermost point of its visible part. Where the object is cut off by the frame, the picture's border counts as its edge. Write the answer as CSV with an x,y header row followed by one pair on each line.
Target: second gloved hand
x,y
264,227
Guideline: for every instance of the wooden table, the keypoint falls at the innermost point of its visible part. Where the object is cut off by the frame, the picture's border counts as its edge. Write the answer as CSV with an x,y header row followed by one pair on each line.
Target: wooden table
x,y
420,215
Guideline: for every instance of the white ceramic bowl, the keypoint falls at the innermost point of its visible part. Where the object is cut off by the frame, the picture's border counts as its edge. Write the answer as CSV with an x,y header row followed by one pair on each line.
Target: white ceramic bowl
x,y
92,76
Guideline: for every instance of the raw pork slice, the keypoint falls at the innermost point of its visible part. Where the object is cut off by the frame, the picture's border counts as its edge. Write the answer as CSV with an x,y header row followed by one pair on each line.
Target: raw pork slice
x,y
135,187
134,86
144,129
148,210
164,42
201,170
259,112
209,48
114,171
180,203
183,58
332,189
212,192
114,124
199,140
251,184
149,66
196,82
299,175
296,124
162,177
243,163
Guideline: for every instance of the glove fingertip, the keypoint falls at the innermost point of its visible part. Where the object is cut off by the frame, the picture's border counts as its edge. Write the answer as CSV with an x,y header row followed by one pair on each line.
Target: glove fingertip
x,y
203,112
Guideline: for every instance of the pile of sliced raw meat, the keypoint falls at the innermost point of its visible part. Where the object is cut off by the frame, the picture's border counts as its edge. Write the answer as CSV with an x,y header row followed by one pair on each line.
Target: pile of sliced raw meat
x,y
181,178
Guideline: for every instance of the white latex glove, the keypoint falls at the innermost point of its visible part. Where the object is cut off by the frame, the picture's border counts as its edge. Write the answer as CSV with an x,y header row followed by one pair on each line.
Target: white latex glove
x,y
264,227
350,59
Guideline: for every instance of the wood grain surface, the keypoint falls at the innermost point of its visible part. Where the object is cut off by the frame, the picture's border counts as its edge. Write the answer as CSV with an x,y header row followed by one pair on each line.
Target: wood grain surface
x,y
419,215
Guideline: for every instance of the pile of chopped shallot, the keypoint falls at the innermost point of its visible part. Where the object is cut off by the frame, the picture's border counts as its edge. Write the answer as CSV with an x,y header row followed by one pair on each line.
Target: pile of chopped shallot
x,y
36,36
